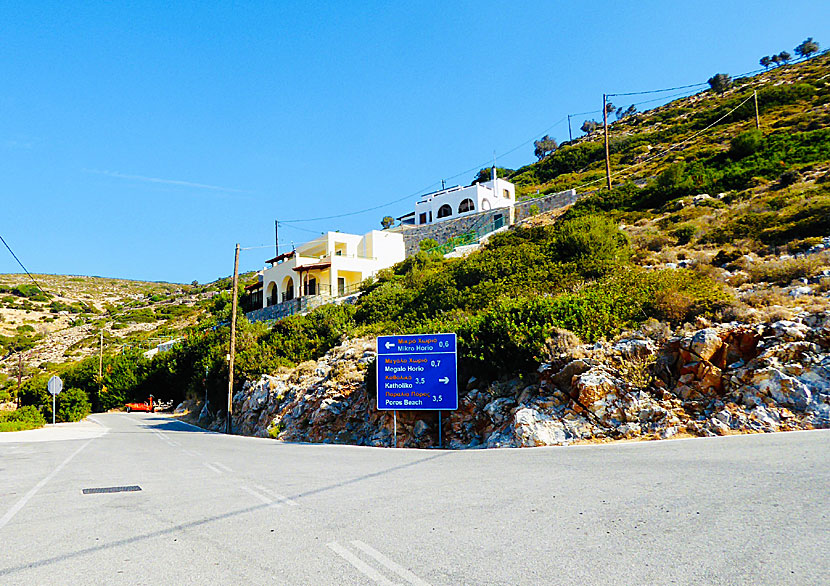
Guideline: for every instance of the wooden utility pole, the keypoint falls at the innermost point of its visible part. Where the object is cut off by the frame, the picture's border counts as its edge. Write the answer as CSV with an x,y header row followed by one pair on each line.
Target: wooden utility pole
x,y
277,237
607,154
233,338
570,134
757,117
19,376
101,359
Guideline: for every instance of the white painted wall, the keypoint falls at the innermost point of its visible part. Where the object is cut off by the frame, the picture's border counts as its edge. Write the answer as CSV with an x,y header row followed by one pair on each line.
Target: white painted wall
x,y
489,195
365,254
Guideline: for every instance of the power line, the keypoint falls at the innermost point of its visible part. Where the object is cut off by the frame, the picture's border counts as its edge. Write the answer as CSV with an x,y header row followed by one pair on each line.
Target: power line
x,y
483,165
42,290
377,207
672,147
420,192
664,90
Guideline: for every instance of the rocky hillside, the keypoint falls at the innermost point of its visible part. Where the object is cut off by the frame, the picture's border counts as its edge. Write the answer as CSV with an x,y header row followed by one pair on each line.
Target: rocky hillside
x,y
720,379
701,281
62,323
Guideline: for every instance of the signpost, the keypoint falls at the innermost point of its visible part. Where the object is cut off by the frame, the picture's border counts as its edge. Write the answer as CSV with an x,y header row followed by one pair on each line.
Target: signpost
x,y
417,372
55,386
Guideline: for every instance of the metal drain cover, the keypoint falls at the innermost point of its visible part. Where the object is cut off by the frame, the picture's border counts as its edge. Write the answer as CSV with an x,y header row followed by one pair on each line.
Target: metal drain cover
x,y
133,488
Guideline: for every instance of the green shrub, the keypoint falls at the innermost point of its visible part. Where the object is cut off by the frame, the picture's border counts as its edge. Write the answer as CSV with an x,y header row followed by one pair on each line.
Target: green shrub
x,y
684,234
510,335
73,405
24,418
594,243
745,144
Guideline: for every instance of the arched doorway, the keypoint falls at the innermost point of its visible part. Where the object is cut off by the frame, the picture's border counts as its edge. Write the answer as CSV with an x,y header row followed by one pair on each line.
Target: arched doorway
x,y
466,206
288,289
273,294
444,211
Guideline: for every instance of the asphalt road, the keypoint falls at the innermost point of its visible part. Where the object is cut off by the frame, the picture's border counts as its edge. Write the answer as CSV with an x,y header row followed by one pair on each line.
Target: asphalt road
x,y
214,509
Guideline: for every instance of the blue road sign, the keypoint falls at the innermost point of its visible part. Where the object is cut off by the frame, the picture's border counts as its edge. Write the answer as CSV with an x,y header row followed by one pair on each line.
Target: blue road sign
x,y
417,371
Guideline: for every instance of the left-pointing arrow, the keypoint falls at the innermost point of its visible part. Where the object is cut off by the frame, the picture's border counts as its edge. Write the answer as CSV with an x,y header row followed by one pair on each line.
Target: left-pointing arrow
x,y
390,345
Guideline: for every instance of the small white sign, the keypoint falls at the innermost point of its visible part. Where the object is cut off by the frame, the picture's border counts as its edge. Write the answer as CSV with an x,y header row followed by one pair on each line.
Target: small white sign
x,y
55,385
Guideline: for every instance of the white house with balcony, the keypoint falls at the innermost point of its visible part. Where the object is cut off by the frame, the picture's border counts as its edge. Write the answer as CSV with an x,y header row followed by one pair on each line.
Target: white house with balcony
x,y
459,201
330,266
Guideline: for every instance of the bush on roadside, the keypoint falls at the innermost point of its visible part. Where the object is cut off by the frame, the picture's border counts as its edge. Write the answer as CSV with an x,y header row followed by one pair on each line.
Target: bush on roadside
x,y
73,405
28,417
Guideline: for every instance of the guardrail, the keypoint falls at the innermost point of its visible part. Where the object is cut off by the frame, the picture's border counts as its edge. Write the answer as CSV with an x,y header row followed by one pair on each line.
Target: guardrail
x,y
470,236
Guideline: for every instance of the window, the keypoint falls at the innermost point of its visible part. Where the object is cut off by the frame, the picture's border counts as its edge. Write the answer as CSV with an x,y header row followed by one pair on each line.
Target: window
x,y
341,286
422,218
466,206
430,215
444,211
485,204
498,221
507,193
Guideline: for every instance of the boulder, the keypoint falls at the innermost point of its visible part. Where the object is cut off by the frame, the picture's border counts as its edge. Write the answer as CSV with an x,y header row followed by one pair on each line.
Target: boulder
x,y
535,428
705,343
499,410
635,348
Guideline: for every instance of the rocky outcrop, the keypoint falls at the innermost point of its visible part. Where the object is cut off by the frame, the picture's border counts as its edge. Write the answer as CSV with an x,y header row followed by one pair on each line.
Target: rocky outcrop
x,y
721,379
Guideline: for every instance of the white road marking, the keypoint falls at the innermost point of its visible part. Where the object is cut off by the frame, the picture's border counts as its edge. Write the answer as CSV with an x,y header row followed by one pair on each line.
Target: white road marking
x,y
279,497
94,420
261,497
163,437
191,453
212,468
22,502
389,564
222,466
358,563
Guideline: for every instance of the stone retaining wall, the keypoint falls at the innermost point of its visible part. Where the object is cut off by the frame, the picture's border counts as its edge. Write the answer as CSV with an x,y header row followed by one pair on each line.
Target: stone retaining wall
x,y
544,204
443,231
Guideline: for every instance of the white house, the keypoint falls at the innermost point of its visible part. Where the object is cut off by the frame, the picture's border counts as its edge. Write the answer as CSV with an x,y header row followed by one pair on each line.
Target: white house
x,y
458,201
332,265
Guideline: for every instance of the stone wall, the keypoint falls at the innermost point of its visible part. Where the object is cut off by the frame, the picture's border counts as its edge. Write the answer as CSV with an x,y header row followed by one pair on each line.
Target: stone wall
x,y
443,231
545,203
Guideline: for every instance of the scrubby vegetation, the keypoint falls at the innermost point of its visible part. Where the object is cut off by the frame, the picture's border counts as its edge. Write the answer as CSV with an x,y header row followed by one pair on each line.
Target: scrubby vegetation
x,y
21,419
694,181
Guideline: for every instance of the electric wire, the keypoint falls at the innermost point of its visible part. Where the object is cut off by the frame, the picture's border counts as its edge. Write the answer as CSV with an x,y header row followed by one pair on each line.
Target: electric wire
x,y
483,165
664,90
42,290
667,150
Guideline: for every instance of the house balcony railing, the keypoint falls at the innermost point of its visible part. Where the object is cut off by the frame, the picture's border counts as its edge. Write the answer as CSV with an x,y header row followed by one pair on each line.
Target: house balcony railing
x,y
322,296
333,255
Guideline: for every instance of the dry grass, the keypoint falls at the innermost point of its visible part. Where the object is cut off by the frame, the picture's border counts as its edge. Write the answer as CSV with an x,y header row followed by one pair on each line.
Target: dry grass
x,y
785,271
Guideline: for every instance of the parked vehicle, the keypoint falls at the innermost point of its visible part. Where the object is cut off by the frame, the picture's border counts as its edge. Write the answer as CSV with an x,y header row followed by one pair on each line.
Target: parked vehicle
x,y
147,406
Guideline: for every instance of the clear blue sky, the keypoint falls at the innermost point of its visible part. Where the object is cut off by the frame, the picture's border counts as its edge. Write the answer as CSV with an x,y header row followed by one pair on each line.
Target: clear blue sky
x,y
143,139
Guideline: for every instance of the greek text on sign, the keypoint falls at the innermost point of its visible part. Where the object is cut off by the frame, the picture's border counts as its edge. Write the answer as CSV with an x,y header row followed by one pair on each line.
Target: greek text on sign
x,y
417,371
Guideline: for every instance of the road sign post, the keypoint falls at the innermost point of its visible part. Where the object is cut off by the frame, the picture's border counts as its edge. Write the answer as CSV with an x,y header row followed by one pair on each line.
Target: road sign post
x,y
55,386
417,372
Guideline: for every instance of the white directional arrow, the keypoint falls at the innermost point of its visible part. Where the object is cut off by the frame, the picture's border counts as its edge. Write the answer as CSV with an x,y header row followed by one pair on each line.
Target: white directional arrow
x,y
390,345
445,380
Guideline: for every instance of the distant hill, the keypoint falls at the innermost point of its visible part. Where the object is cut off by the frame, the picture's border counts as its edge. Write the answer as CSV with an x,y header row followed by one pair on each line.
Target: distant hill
x,y
63,321
698,128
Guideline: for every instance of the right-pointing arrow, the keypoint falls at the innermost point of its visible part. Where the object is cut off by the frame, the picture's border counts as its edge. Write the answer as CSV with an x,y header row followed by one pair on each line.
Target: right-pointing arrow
x,y
445,380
